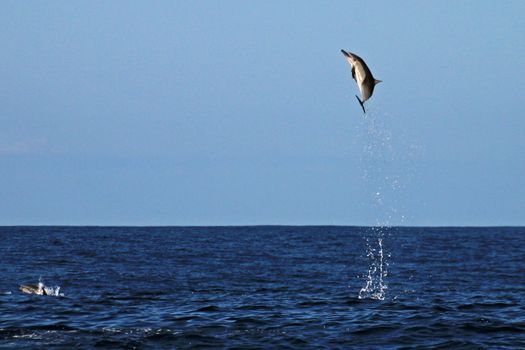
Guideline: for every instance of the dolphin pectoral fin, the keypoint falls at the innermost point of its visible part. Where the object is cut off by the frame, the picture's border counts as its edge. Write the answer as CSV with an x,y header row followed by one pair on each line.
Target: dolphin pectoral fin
x,y
361,103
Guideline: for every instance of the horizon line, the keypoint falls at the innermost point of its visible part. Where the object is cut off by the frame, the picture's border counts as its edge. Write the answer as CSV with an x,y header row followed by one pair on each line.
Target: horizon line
x,y
269,225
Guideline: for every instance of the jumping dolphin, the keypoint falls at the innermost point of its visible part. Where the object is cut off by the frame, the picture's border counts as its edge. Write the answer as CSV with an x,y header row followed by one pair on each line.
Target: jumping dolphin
x,y
362,76
33,289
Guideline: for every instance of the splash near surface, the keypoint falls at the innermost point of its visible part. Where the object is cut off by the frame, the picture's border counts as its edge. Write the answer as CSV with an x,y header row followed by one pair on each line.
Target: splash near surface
x,y
375,286
53,291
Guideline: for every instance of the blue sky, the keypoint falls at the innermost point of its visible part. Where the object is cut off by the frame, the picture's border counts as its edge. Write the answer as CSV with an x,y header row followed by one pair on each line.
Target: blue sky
x,y
237,112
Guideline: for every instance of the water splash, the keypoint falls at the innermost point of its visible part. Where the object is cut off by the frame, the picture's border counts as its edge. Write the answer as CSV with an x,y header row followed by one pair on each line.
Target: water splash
x,y
375,286
53,291
47,290
384,180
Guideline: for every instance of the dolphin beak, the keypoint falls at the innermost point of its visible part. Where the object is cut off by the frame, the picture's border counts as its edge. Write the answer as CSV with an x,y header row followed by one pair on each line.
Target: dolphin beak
x,y
345,53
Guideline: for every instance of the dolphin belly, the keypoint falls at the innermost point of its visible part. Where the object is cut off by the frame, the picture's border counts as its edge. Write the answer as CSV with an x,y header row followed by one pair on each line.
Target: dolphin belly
x,y
366,91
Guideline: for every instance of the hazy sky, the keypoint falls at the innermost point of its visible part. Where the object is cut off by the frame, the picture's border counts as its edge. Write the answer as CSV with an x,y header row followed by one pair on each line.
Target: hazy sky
x,y
243,112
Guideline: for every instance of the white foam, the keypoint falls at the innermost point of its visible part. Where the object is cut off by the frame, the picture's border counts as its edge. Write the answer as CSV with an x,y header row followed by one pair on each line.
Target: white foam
x,y
375,286
51,291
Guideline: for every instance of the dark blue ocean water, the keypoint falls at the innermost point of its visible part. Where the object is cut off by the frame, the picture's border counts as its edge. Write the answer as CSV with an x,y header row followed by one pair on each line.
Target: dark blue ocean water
x,y
264,287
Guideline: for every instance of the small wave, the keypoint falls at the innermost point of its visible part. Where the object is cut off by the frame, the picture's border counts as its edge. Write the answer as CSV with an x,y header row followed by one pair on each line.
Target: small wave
x,y
209,308
161,335
310,303
375,330
441,308
254,307
487,326
52,327
246,322
496,305
110,344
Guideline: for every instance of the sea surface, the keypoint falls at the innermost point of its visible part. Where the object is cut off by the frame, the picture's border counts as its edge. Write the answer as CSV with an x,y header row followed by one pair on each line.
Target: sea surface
x,y
263,287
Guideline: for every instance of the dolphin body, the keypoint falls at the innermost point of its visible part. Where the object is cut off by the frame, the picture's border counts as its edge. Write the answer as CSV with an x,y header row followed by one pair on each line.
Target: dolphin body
x,y
362,76
33,289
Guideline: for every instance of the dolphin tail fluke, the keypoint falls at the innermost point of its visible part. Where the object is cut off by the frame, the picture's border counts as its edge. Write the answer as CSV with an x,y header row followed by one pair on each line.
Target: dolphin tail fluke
x,y
361,103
